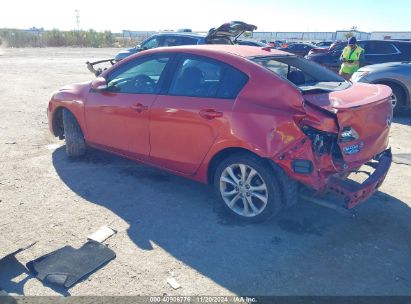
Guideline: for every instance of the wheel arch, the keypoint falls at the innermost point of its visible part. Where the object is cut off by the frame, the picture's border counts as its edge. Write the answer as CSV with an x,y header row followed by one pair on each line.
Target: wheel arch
x,y
220,156
388,81
57,122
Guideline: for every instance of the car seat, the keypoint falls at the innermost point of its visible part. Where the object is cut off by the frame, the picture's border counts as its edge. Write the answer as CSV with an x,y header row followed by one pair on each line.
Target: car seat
x,y
190,82
297,77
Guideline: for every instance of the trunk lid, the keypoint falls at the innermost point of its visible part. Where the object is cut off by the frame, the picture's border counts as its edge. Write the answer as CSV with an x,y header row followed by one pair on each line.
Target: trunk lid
x,y
364,108
230,30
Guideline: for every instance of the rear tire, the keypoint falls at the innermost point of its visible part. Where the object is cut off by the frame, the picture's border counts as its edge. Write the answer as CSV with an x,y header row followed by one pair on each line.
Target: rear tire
x,y
75,143
248,188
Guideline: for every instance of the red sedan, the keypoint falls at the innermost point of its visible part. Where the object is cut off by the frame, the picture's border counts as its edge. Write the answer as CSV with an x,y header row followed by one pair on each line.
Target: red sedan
x,y
255,122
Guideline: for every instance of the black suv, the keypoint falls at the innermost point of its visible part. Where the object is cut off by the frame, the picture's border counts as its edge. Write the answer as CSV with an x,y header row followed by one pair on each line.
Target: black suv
x,y
375,51
224,34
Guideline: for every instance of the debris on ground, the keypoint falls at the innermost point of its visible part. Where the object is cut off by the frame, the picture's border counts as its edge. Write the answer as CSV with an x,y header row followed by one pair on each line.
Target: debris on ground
x,y
67,265
173,283
403,158
52,147
102,234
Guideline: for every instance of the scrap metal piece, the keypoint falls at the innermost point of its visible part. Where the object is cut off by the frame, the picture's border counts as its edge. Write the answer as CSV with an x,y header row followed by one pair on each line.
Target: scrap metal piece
x,y
173,283
102,234
98,71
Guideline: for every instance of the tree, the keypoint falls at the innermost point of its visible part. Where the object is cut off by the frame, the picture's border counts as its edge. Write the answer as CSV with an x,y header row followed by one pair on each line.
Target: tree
x,y
348,35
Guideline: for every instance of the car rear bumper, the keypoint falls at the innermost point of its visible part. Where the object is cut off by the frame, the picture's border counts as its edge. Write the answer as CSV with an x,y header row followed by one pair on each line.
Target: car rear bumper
x,y
354,192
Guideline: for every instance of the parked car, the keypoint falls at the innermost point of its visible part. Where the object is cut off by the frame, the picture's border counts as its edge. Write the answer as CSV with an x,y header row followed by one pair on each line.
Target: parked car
x,y
253,122
396,75
300,49
224,34
277,44
324,44
251,43
375,51
325,49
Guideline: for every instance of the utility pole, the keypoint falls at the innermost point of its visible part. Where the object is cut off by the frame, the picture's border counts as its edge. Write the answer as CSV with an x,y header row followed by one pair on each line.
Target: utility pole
x,y
78,19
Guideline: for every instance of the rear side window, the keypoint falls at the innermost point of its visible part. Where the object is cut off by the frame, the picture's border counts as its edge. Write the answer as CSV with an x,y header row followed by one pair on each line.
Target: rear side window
x,y
202,77
379,48
405,48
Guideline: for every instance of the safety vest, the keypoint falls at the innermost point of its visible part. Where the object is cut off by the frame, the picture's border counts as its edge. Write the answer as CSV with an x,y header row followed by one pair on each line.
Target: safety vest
x,y
349,54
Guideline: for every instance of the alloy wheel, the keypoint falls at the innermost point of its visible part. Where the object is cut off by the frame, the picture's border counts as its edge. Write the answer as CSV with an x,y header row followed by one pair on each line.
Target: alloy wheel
x,y
394,100
243,190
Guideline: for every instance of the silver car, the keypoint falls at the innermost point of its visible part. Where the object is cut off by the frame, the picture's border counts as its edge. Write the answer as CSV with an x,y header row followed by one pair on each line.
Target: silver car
x,y
396,75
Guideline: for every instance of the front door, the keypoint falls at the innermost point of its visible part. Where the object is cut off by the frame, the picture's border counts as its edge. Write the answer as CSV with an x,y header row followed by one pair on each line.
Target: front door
x,y
118,118
185,122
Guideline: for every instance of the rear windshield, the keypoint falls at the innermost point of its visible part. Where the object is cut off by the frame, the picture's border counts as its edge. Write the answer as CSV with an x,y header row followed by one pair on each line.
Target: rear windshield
x,y
303,73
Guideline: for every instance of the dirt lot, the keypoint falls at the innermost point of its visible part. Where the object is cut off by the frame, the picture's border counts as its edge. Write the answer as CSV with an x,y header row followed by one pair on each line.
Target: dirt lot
x,y
168,226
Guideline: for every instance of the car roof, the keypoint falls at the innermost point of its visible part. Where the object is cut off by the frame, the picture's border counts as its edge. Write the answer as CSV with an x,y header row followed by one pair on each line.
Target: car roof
x,y
185,34
239,50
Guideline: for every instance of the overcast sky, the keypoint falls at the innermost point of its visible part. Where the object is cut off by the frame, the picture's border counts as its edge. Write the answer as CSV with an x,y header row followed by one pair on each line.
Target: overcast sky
x,y
298,15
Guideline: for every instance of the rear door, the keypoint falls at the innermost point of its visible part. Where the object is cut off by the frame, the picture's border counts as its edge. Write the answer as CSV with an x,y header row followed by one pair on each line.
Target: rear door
x,y
186,120
118,117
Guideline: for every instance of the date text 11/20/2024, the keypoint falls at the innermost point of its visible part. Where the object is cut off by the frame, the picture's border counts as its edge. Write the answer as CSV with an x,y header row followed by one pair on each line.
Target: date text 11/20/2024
x,y
202,299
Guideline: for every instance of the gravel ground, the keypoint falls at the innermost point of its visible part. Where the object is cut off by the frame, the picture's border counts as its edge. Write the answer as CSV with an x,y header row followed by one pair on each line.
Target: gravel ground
x,y
169,226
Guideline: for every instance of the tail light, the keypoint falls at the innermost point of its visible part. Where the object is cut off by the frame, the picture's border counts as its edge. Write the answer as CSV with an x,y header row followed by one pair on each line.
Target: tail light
x,y
348,134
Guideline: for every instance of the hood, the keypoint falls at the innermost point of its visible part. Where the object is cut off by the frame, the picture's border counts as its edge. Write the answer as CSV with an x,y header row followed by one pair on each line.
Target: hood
x,y
387,65
231,30
75,91
123,54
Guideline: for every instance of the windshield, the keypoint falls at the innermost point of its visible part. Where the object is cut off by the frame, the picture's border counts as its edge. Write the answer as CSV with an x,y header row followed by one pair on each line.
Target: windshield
x,y
303,73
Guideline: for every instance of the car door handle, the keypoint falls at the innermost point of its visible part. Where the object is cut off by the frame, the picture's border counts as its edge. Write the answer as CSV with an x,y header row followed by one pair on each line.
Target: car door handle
x,y
210,114
139,107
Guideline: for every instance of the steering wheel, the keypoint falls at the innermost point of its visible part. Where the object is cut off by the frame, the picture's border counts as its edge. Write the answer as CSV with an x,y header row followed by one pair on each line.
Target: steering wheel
x,y
144,83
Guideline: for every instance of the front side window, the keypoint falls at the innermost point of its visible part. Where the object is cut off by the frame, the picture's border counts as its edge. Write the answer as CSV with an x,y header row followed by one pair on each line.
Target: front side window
x,y
139,77
170,41
201,77
151,43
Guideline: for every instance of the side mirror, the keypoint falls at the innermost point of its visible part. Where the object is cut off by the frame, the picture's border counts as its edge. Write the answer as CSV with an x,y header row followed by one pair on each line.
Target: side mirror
x,y
99,84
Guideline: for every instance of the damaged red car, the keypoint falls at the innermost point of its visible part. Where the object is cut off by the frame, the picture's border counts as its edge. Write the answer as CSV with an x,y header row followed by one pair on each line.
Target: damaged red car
x,y
256,123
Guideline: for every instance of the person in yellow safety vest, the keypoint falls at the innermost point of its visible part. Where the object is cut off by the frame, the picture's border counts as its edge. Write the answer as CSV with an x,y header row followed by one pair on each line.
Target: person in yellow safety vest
x,y
352,58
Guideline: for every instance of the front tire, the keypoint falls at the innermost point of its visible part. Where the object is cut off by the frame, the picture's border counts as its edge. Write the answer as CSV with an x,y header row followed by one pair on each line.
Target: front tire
x,y
75,143
398,97
248,188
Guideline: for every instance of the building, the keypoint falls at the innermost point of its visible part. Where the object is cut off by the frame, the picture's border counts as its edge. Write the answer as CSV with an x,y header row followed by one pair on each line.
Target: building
x,y
391,35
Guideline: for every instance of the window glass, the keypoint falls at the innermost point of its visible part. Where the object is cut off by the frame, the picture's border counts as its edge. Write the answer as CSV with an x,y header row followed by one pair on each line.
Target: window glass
x,y
299,71
140,77
187,41
404,47
152,43
170,41
380,48
200,77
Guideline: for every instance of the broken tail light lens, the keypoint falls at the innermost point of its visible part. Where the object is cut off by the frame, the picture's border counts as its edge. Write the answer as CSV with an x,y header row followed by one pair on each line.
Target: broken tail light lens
x,y
348,134
322,141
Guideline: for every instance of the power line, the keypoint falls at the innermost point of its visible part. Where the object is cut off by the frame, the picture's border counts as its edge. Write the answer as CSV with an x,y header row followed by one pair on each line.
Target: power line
x,y
78,19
